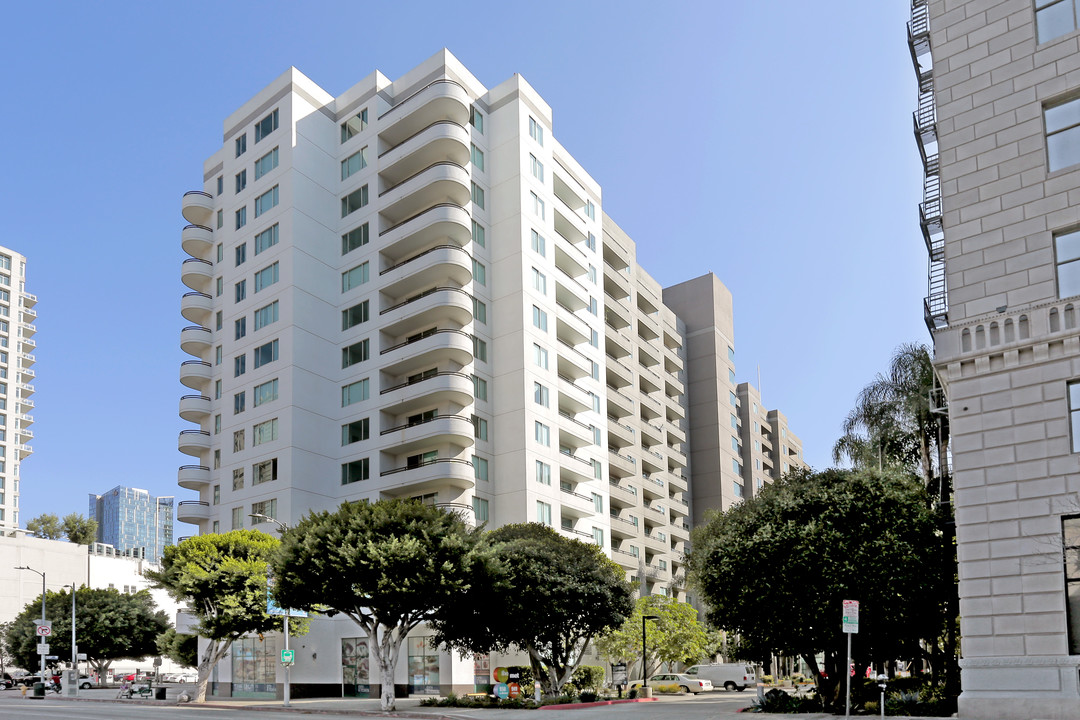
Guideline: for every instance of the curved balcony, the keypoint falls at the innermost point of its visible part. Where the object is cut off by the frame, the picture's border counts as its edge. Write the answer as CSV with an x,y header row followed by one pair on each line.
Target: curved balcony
x,y
195,340
196,307
438,473
441,140
454,430
193,442
438,100
193,477
436,265
441,305
194,408
197,274
453,346
197,207
197,240
442,223
192,511
196,374
441,182
455,388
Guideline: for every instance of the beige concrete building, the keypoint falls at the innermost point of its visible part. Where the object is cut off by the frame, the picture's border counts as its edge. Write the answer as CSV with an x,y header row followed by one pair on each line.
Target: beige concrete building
x,y
767,446
17,329
998,126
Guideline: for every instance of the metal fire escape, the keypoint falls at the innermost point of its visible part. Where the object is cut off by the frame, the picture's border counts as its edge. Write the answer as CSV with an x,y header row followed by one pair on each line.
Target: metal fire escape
x,y
936,304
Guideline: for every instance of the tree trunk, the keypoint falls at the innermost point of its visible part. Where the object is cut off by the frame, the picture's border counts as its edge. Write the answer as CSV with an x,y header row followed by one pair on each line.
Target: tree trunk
x,y
215,650
387,647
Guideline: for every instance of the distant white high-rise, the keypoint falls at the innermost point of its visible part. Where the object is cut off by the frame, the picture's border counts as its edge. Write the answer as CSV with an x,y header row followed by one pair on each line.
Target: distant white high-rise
x,y
17,330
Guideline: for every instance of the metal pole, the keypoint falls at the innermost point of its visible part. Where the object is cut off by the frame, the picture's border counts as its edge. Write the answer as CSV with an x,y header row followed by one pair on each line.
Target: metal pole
x,y
286,703
74,649
644,654
847,670
42,622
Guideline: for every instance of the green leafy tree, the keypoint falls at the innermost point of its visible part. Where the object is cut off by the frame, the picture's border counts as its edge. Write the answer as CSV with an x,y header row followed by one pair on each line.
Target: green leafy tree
x,y
816,540
178,647
676,636
79,529
5,655
222,580
109,626
387,565
46,526
549,596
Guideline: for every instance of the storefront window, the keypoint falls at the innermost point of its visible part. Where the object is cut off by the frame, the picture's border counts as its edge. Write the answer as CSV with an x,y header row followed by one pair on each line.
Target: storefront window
x,y
355,667
254,667
482,673
423,667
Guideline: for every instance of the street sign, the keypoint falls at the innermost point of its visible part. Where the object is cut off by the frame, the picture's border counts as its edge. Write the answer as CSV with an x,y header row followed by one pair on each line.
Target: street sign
x,y
288,656
81,657
851,616
52,657
43,649
44,629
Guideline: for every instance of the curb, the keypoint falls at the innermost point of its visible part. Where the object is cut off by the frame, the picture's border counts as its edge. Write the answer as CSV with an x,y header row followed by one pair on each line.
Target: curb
x,y
580,706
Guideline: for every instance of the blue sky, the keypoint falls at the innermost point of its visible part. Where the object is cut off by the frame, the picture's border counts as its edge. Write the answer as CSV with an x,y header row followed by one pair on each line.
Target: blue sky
x,y
769,142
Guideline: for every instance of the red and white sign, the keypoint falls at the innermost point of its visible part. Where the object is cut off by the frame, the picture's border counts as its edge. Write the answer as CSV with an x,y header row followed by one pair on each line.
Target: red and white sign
x,y
44,630
851,616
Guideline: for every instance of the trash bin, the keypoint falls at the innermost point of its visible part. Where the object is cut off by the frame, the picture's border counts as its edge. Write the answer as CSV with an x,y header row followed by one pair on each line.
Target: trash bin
x,y
39,689
159,692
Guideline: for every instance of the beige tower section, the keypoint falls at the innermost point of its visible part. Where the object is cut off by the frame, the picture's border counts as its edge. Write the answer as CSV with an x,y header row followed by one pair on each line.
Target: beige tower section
x,y
17,345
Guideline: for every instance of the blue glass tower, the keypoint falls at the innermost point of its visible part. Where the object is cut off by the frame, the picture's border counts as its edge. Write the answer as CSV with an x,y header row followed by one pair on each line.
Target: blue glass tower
x,y
133,521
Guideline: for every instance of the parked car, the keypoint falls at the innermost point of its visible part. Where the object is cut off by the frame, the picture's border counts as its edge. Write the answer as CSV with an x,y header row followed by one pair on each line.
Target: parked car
x,y
85,682
686,683
188,677
730,676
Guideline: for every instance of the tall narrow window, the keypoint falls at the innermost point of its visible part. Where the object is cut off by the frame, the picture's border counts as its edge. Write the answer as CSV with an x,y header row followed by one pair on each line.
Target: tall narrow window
x,y
539,245
543,513
536,167
536,131
537,205
354,125
1067,256
478,196
1074,414
476,119
477,157
539,318
543,473
478,234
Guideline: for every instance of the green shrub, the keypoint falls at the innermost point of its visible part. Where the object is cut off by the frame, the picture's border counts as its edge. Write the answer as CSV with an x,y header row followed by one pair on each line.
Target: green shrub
x,y
586,677
667,689
778,701
588,696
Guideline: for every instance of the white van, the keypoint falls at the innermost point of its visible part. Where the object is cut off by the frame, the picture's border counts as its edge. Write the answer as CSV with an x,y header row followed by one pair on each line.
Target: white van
x,y
730,676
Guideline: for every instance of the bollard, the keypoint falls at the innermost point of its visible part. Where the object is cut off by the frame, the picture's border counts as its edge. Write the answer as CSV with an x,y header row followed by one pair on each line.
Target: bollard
x,y
882,680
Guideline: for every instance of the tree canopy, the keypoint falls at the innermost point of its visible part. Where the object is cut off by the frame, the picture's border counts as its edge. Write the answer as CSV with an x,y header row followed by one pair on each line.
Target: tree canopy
x,y
388,565
222,579
676,636
818,538
74,526
46,526
180,648
547,595
109,625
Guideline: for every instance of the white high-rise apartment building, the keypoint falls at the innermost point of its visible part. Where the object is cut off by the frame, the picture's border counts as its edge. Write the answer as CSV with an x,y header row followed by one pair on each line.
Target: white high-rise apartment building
x,y
17,344
411,291
998,126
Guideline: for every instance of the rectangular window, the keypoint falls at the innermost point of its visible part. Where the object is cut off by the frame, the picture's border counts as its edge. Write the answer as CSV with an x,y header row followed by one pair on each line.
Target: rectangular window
x,y
266,163
478,234
479,311
354,201
477,157
731,354
1062,134
480,510
354,392
480,388
736,467
241,217
539,318
217,424
592,274
735,444
590,242
356,431
266,392
478,196
476,120
734,422
217,495
540,356
220,223
354,471
241,253
241,145
480,427
590,210
238,403
1070,531
268,238
354,316
266,126
217,389
354,163
479,349
241,290
264,432
543,513
220,184
266,315
542,433
357,237
733,400
594,338
737,488
241,180
598,536
594,307
239,365
539,245
264,354
541,395
354,125
536,167
479,272
354,277
237,518
241,328
1074,417
217,355
536,131
355,353
237,446
218,320
1055,18
598,503
537,205
219,284
539,281
267,200
265,509
731,376
266,277
1067,256
480,468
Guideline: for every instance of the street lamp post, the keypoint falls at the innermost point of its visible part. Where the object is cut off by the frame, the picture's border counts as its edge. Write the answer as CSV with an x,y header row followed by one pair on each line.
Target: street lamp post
x,y
74,689
282,527
645,650
25,567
